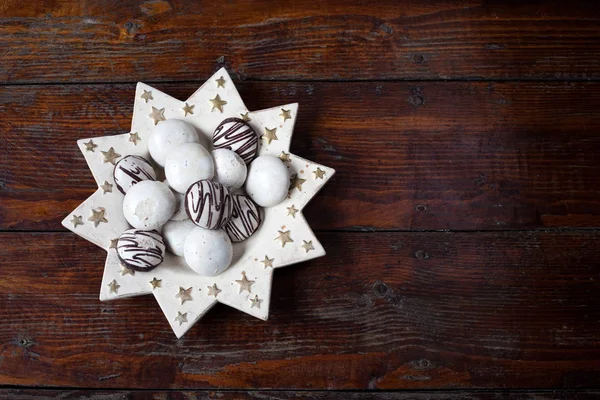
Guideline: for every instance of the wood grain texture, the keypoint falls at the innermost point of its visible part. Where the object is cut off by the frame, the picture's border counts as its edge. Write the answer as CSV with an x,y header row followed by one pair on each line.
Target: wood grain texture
x,y
381,311
120,41
40,394
434,156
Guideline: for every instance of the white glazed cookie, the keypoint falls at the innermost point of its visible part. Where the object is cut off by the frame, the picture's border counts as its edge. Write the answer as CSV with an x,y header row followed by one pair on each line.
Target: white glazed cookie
x,y
230,169
186,164
268,181
208,252
167,135
148,205
179,214
174,234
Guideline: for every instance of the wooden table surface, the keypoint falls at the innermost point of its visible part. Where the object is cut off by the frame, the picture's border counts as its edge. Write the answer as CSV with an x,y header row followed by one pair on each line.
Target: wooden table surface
x,y
462,226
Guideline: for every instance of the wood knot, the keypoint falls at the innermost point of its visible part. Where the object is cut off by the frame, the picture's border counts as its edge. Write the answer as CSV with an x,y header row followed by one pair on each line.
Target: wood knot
x,y
421,208
26,342
421,364
417,100
131,27
421,255
381,289
418,58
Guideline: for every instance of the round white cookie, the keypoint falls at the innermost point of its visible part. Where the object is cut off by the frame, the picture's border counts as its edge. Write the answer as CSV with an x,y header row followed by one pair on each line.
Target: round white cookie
x,y
174,234
167,135
179,214
230,169
186,164
268,181
208,252
148,205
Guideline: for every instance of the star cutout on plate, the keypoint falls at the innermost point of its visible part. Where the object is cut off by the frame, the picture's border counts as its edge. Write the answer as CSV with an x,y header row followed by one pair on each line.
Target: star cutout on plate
x,y
220,82
184,294
90,146
77,220
98,216
285,237
181,318
157,115
126,271
114,287
173,273
106,187
246,117
292,211
156,283
255,302
134,138
217,103
308,246
147,96
268,262
319,173
285,114
187,109
296,183
270,135
213,290
285,157
245,283
110,156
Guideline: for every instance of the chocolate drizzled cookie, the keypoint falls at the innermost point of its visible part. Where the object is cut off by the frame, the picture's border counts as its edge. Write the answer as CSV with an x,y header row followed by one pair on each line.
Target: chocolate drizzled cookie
x,y
141,250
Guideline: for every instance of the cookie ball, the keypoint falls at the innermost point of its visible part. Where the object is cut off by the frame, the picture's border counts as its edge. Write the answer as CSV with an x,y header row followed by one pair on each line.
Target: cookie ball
x,y
230,169
236,135
268,181
208,252
208,204
186,164
245,219
148,205
131,170
174,234
140,250
167,135
179,214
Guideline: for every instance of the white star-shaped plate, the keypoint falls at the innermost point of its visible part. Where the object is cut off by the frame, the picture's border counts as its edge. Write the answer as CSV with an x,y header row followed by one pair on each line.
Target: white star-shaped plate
x,y
254,258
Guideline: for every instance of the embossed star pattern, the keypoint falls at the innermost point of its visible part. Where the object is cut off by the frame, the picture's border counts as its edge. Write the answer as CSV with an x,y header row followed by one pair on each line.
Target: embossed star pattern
x,y
213,290
270,135
245,283
188,109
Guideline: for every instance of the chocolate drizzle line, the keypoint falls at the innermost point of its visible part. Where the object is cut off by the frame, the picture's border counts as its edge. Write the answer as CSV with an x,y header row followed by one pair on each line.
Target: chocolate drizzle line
x,y
208,204
245,219
235,134
135,172
133,255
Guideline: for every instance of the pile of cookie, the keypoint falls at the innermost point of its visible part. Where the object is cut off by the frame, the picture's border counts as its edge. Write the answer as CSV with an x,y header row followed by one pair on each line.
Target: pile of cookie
x,y
208,200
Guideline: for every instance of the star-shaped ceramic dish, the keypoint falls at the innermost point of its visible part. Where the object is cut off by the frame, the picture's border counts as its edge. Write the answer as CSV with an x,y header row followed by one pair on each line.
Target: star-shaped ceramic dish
x,y
284,238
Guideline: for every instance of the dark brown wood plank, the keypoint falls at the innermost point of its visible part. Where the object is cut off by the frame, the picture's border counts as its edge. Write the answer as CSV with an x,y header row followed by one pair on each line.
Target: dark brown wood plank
x,y
120,41
39,394
439,156
381,311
